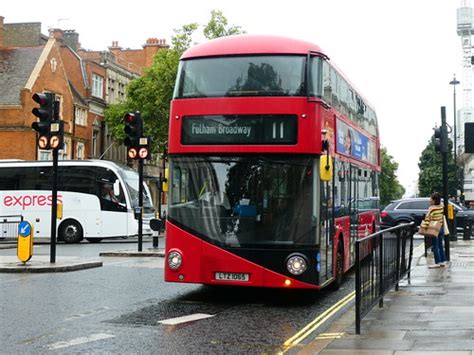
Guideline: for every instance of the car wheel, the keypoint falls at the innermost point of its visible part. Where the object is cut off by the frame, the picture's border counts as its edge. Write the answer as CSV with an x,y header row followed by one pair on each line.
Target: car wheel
x,y
70,231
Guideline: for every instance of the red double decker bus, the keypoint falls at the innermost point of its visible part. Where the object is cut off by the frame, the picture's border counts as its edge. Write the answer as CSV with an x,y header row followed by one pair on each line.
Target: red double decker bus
x,y
274,162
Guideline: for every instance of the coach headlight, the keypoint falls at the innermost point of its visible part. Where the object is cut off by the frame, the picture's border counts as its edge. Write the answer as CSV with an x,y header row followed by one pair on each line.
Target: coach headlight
x,y
175,259
296,264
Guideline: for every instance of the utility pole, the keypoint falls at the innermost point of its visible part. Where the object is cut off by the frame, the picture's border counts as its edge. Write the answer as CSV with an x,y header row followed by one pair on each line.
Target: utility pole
x,y
444,154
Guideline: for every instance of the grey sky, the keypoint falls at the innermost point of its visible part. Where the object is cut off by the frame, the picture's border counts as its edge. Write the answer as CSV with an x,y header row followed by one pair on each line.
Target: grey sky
x,y
400,54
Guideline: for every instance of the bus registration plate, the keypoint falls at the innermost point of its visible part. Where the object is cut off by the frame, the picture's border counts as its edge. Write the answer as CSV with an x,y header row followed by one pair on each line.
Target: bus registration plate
x,y
231,276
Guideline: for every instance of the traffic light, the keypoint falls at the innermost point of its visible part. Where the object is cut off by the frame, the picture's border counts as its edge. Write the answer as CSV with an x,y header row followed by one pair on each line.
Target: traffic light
x,y
133,129
469,137
138,146
45,114
441,139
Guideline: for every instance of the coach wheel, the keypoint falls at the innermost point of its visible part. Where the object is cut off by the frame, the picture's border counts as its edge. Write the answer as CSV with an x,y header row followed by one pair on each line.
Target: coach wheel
x,y
70,231
339,271
94,240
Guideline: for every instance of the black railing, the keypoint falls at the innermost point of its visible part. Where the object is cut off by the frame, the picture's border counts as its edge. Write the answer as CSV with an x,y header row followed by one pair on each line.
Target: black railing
x,y
9,226
382,260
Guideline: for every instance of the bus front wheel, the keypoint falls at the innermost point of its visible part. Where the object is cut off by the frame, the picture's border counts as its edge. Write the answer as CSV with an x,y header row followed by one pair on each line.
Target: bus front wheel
x,y
70,231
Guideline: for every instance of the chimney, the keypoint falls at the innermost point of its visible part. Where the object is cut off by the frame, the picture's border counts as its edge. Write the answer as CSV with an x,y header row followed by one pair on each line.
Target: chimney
x,y
71,39
1,30
151,47
57,34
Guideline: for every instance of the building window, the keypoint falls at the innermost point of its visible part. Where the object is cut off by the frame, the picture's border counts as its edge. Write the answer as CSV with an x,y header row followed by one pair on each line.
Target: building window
x,y
95,136
80,151
81,116
97,86
45,155
62,153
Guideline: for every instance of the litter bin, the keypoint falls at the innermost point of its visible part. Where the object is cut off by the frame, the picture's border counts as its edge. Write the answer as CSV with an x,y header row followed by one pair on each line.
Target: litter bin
x,y
467,231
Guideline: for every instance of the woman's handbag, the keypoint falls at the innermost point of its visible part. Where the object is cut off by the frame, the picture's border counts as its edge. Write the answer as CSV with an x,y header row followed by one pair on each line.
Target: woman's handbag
x,y
430,229
445,226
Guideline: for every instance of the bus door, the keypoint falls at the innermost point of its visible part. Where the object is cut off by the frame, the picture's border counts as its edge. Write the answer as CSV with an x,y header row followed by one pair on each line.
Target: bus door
x,y
326,230
354,208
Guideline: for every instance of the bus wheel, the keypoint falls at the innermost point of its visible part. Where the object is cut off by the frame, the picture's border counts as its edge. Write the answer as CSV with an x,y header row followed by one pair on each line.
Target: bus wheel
x,y
70,231
94,240
339,271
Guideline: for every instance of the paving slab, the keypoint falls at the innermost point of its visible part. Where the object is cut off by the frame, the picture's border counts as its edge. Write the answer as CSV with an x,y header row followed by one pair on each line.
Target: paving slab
x,y
431,314
42,264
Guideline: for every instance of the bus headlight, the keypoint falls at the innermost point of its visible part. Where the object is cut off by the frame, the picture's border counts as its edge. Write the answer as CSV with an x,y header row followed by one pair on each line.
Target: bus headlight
x,y
296,264
175,259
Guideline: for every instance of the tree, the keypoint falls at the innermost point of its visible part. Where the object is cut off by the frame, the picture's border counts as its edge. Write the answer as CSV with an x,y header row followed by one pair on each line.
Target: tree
x,y
217,26
430,178
151,94
390,187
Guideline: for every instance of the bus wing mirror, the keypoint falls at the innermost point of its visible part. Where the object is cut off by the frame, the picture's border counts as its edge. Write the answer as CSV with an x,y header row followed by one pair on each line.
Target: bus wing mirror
x,y
325,168
164,183
117,187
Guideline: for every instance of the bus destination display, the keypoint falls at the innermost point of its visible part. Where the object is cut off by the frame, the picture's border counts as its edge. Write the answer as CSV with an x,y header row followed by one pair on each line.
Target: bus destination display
x,y
239,129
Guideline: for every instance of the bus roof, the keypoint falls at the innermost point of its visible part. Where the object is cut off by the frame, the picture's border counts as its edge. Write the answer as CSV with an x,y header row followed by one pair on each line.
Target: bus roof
x,y
250,44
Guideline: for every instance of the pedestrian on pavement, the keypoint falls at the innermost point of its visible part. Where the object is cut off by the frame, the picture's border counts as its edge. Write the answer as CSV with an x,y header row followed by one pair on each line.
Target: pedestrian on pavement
x,y
435,213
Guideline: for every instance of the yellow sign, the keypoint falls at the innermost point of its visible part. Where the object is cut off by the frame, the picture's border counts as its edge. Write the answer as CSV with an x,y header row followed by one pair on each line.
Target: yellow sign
x,y
25,241
325,168
450,211
59,211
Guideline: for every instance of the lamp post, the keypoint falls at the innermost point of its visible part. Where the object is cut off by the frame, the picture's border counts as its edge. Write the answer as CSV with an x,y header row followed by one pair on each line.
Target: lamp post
x,y
455,82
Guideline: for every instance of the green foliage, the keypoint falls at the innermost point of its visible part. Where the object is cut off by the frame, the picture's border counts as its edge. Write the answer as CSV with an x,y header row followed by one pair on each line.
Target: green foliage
x,y
430,178
390,187
151,94
217,26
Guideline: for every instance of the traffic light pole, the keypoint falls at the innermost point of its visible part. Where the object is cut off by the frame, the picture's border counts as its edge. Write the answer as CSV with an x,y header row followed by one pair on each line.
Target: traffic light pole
x,y
54,206
140,204
444,155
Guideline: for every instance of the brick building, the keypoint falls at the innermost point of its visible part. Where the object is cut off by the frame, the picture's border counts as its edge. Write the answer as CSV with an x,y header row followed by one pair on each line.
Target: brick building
x,y
83,81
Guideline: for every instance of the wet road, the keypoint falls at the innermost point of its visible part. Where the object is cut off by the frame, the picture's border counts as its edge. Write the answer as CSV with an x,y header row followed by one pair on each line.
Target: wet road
x,y
117,309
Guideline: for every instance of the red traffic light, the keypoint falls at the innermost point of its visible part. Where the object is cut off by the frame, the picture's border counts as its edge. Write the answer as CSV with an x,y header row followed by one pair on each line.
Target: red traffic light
x,y
129,117
42,99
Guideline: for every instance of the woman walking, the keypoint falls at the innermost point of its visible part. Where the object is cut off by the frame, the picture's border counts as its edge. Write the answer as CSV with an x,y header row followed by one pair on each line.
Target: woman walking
x,y
435,213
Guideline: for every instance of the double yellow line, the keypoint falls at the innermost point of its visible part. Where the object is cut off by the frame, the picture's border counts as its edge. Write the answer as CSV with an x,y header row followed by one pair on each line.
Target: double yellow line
x,y
316,323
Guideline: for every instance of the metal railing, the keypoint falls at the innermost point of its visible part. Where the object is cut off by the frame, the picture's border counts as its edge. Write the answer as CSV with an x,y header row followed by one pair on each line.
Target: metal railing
x,y
382,260
9,226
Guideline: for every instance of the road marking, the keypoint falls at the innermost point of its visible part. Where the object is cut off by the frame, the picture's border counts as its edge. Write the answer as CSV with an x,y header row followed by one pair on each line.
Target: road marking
x,y
330,336
317,322
81,340
185,319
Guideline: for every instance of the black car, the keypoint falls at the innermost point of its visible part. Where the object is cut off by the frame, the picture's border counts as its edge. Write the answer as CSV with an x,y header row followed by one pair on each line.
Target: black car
x,y
414,209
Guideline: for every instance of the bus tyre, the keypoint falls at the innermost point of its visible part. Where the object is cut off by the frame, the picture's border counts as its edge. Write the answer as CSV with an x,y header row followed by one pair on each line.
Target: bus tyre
x,y
70,231
339,271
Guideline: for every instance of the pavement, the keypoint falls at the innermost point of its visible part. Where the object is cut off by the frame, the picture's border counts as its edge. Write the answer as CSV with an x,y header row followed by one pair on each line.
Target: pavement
x,y
42,263
432,314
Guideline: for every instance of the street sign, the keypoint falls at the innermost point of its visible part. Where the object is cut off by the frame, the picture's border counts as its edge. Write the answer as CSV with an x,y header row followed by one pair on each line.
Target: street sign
x,y
43,142
25,241
24,229
54,142
143,153
132,153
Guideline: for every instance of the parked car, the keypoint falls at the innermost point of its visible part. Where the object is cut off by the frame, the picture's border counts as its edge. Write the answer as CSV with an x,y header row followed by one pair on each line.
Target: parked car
x,y
414,209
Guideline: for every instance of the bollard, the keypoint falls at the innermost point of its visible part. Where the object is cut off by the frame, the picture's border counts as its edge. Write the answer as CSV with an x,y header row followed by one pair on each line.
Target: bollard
x,y
467,231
